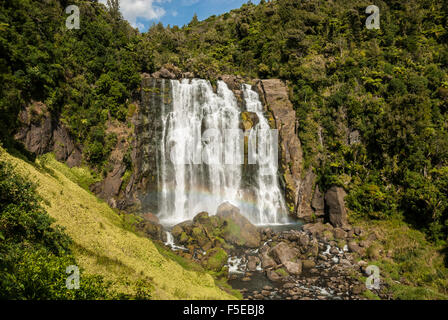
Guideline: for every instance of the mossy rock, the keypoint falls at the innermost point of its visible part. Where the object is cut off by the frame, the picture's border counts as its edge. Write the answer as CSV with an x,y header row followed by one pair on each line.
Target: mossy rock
x,y
249,120
216,259
282,272
183,238
328,234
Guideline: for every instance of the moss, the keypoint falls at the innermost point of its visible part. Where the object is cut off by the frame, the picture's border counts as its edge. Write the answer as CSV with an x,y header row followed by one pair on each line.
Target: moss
x,y
370,295
233,231
282,272
183,238
216,259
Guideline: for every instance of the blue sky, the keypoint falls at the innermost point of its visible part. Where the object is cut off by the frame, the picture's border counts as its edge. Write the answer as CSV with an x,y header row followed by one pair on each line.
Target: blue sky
x,y
142,13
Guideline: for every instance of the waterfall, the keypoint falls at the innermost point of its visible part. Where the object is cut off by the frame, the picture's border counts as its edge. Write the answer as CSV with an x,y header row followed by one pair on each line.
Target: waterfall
x,y
201,162
170,242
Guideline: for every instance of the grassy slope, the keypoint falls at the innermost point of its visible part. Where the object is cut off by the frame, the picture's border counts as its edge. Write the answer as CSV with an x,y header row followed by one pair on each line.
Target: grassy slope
x,y
102,245
411,266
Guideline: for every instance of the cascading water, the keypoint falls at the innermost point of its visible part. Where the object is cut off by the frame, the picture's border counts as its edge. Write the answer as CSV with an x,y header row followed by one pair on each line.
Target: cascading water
x,y
201,149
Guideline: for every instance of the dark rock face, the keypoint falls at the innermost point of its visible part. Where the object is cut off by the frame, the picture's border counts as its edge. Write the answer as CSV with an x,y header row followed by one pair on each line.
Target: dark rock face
x,y
305,194
110,187
318,202
40,134
141,192
334,199
274,95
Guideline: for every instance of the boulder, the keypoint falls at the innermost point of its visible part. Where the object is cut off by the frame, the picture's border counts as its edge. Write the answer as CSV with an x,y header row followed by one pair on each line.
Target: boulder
x,y
178,229
334,200
339,233
318,228
272,275
267,261
215,259
151,229
237,230
282,253
252,263
294,268
151,217
304,240
308,264
354,247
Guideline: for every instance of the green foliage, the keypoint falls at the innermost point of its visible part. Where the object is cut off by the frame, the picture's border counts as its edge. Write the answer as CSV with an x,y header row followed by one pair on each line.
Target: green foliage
x,y
85,76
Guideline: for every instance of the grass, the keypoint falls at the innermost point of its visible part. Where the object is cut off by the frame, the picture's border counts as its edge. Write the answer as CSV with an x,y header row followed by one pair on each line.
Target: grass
x,y
101,244
411,267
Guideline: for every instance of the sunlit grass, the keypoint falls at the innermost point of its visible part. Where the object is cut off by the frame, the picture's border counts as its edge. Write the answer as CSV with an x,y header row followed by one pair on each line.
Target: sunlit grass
x,y
102,245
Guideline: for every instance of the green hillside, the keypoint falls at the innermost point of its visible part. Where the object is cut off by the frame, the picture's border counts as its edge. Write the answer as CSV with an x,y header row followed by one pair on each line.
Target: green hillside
x,y
102,243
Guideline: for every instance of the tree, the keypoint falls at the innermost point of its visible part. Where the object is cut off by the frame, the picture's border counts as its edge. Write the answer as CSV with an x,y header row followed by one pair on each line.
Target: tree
x,y
114,8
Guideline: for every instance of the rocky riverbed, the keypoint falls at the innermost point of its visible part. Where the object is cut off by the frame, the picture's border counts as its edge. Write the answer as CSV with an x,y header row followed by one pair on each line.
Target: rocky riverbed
x,y
297,265
313,261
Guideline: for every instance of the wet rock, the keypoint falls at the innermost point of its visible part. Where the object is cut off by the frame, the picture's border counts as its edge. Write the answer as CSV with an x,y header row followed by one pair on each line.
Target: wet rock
x,y
151,217
248,120
334,251
274,95
252,263
272,275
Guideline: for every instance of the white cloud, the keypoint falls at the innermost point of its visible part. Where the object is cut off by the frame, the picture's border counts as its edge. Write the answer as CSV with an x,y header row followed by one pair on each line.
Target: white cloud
x,y
188,3
143,9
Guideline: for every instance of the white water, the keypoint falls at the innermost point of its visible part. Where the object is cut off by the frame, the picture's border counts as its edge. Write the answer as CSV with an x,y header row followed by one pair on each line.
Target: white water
x,y
198,175
170,242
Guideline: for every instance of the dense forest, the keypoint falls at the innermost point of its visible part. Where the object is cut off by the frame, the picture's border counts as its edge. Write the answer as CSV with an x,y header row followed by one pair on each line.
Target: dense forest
x,y
389,85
